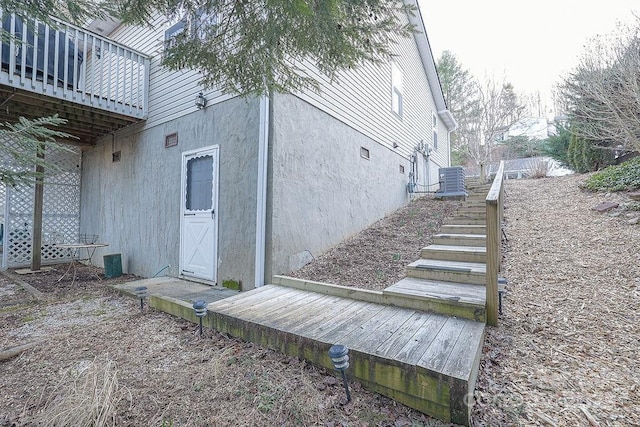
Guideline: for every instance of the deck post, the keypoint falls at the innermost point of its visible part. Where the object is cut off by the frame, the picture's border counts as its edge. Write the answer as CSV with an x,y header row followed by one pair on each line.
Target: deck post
x,y
38,202
494,202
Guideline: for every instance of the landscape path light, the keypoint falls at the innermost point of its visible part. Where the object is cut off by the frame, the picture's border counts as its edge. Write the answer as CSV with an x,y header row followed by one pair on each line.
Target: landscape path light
x,y
200,309
339,355
141,292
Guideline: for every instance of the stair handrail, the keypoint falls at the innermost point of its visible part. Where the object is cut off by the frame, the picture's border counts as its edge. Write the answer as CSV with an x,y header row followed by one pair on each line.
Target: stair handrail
x,y
495,212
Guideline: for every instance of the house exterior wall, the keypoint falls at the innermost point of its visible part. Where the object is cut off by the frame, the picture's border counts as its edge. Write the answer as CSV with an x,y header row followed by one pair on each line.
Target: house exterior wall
x,y
321,190
134,204
361,98
310,133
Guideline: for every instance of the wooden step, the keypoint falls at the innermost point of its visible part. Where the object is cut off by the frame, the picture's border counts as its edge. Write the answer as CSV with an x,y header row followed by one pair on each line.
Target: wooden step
x,y
425,360
461,239
448,271
466,220
452,299
455,253
474,206
472,210
473,188
464,229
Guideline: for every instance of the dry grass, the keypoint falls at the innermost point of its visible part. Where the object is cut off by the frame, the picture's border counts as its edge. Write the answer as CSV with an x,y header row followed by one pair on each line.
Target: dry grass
x,y
87,395
377,257
537,168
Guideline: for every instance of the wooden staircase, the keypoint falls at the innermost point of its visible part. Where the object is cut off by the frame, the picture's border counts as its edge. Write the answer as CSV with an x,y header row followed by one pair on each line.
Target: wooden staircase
x,y
418,341
455,263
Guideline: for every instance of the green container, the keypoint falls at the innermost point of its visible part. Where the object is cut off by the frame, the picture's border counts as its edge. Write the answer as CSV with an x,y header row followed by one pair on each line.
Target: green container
x,y
112,265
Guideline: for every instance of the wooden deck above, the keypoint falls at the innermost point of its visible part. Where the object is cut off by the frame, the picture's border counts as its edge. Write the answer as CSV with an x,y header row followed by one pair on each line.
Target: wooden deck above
x,y
95,83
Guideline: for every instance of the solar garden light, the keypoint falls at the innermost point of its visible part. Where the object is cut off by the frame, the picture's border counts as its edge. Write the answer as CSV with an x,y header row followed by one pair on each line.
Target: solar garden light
x,y
339,355
502,289
141,292
200,308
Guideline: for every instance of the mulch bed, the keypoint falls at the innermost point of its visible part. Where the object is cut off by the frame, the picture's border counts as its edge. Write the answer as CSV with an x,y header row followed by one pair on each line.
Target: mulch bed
x,y
376,257
565,353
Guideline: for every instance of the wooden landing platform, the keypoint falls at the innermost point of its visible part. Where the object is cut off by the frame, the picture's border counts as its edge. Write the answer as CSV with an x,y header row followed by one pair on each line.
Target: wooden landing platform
x,y
183,290
425,360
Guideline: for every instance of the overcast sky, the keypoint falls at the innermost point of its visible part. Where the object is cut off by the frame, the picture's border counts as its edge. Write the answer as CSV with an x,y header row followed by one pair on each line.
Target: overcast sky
x,y
530,43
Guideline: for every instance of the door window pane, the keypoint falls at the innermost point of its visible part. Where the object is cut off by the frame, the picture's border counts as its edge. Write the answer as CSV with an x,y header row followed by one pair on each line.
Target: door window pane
x,y
199,183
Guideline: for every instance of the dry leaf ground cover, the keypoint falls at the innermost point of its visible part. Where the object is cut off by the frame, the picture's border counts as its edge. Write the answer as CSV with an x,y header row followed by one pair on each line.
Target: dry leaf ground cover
x,y
376,257
101,361
567,351
565,354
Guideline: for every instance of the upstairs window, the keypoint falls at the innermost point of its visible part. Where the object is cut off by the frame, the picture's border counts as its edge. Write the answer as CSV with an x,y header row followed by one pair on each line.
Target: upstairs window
x,y
195,25
172,33
396,89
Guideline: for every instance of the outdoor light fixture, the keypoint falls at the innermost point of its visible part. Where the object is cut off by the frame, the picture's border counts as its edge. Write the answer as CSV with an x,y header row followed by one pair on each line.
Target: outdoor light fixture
x,y
502,289
200,308
201,101
141,292
339,355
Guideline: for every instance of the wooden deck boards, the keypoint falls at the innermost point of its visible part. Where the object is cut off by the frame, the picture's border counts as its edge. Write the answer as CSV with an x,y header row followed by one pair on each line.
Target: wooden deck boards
x,y
401,352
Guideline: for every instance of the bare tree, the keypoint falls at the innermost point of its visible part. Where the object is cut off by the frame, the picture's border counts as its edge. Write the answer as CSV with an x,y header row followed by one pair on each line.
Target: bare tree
x,y
498,108
482,110
603,92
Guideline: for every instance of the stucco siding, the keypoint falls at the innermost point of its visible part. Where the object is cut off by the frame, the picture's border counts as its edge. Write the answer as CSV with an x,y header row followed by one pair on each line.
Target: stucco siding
x,y
321,189
134,204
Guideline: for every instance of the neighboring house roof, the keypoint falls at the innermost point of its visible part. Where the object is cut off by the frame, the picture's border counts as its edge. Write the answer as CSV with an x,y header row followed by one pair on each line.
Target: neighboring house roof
x,y
531,127
422,40
554,168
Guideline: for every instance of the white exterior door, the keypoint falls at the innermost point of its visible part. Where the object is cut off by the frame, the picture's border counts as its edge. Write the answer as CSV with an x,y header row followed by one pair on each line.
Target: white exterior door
x,y
199,224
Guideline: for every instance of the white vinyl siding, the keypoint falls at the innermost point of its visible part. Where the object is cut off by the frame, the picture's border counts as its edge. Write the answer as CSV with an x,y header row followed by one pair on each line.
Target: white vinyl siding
x,y
361,99
172,94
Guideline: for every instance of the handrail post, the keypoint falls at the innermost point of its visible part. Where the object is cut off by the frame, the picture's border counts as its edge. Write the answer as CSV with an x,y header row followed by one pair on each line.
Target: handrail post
x,y
494,202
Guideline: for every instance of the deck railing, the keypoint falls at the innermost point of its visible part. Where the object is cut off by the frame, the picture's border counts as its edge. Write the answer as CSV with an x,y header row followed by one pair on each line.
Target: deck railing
x,y
69,63
495,212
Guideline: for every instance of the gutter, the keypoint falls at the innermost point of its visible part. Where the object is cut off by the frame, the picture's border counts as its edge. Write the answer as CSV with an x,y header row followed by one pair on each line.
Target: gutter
x,y
261,196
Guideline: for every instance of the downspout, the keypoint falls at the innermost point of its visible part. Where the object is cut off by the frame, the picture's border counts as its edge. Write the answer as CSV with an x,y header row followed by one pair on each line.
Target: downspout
x,y
449,144
427,178
261,196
